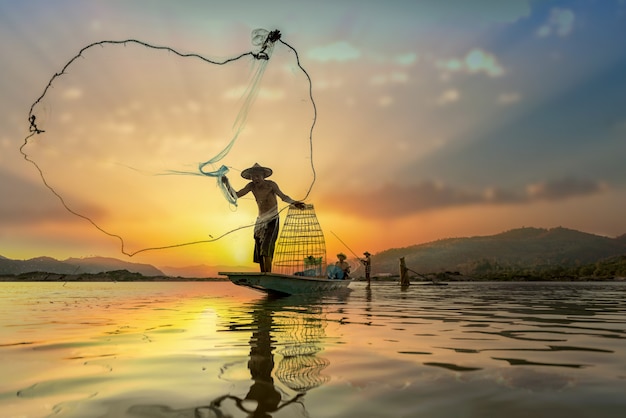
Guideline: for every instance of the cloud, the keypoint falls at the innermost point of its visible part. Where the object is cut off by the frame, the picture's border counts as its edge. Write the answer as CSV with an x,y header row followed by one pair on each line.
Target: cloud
x,y
448,96
119,128
475,61
20,206
264,93
406,59
385,101
338,51
509,98
478,60
560,22
395,77
72,94
392,200
564,188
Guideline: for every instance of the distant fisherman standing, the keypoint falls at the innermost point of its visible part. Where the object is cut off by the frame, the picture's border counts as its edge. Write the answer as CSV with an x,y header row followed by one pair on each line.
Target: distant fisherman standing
x,y
368,265
266,227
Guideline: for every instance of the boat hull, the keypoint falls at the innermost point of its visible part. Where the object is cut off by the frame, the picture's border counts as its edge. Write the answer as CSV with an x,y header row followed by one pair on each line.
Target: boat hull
x,y
285,284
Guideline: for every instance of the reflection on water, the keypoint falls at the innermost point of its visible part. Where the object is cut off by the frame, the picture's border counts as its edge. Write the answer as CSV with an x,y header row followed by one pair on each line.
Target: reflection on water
x,y
216,350
296,325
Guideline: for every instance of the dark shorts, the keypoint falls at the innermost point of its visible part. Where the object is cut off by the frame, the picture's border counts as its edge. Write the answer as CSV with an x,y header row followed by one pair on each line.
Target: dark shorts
x,y
265,240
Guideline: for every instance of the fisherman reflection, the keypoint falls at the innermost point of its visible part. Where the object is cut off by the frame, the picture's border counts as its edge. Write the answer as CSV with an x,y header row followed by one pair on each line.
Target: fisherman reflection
x,y
261,364
299,325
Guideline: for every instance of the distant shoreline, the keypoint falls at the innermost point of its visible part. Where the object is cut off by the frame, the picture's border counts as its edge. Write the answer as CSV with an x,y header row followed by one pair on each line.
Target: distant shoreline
x,y
126,276
491,279
110,276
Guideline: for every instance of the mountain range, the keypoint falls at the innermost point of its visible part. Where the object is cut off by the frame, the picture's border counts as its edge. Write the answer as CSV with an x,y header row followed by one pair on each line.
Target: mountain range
x,y
90,265
522,248
94,265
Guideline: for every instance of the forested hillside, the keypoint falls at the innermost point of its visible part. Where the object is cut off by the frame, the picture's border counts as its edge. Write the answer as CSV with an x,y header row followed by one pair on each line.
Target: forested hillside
x,y
518,252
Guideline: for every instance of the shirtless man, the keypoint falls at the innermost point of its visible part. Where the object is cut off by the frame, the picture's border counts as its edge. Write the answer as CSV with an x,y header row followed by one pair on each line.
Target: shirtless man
x,y
266,227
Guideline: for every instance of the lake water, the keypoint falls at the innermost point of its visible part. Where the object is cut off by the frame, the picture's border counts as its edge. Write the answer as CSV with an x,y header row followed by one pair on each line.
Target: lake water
x,y
216,350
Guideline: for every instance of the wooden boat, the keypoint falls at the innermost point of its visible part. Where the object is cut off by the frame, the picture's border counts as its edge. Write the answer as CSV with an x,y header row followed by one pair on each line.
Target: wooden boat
x,y
299,265
286,284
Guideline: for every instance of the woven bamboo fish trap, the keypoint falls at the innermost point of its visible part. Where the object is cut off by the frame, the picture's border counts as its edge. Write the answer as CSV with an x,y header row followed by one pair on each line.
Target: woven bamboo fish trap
x,y
300,248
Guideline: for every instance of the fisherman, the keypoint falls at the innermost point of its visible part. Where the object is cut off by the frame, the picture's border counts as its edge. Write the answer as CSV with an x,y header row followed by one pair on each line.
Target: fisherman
x,y
266,226
343,265
340,270
367,262
343,268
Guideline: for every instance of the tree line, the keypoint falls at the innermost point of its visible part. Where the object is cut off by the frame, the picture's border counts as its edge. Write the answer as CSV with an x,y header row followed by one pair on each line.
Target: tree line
x,y
485,269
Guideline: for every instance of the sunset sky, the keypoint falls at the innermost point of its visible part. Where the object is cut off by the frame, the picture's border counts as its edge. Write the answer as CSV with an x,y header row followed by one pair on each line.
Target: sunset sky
x,y
435,119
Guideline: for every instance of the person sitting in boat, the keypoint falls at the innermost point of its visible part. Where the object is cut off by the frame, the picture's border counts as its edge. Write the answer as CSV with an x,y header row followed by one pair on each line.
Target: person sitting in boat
x,y
266,226
343,265
340,270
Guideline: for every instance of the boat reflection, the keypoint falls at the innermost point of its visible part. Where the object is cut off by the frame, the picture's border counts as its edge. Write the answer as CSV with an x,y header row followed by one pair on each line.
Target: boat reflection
x,y
284,345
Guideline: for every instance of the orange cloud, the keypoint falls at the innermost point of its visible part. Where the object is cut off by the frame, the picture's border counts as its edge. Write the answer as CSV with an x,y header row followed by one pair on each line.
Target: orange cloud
x,y
392,200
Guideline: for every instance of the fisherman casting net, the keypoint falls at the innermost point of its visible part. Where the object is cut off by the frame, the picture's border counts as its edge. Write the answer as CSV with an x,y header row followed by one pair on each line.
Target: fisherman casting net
x,y
134,138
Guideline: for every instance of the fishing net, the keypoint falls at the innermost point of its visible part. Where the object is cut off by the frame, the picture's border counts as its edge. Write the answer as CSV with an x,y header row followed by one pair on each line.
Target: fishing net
x,y
135,138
